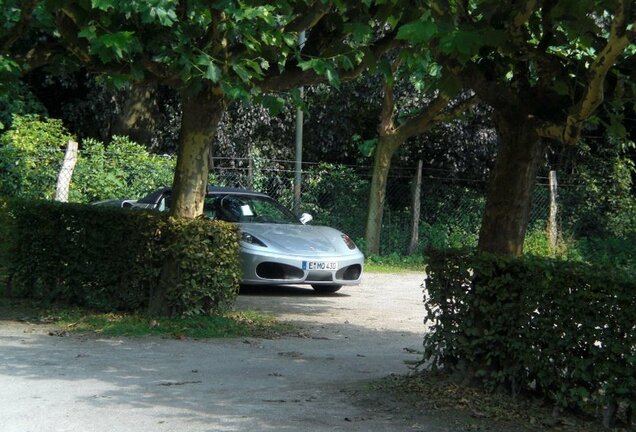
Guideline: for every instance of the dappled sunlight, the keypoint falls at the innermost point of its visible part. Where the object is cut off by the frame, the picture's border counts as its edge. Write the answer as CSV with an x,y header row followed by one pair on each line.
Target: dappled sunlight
x,y
152,384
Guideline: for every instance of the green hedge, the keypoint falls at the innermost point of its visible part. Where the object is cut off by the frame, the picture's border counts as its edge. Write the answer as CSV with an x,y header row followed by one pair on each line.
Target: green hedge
x,y
111,258
566,330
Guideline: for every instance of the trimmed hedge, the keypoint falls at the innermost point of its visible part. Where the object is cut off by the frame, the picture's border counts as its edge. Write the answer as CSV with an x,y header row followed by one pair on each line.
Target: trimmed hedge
x,y
111,258
563,329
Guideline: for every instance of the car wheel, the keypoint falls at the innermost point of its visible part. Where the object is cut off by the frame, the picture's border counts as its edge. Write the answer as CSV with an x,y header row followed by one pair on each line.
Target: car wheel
x,y
326,288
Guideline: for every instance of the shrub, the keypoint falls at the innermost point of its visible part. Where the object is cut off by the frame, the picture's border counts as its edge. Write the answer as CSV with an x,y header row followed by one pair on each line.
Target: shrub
x,y
32,151
121,169
564,329
31,155
111,258
16,98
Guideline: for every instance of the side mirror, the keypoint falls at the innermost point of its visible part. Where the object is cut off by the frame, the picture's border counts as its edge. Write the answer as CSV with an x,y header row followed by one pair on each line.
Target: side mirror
x,y
305,218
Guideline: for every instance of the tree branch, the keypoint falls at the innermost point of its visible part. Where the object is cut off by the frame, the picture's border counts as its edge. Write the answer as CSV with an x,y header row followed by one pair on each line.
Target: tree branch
x,y
66,23
524,9
387,124
422,122
37,56
593,95
22,25
310,17
495,94
458,109
553,131
293,77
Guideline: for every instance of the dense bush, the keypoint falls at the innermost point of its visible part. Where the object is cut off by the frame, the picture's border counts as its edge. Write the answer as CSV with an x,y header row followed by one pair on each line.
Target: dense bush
x,y
112,258
16,99
32,151
120,169
566,330
31,155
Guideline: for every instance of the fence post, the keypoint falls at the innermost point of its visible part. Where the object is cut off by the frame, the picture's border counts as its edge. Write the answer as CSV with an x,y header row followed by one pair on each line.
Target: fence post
x,y
66,172
416,203
553,232
250,172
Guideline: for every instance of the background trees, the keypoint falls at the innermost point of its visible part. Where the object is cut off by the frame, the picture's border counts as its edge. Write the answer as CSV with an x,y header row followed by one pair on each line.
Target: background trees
x,y
208,53
542,67
539,65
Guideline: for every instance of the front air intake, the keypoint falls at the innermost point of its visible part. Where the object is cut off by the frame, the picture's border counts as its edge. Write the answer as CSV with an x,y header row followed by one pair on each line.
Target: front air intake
x,y
277,271
349,273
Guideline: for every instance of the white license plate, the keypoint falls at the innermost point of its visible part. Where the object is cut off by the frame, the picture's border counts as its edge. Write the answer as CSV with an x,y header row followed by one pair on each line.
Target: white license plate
x,y
320,265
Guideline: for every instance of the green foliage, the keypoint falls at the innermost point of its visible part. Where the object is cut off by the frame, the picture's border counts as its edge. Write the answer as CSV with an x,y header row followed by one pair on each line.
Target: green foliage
x,y
602,203
111,258
336,196
229,324
31,155
616,252
6,230
85,320
197,44
562,329
16,99
393,263
121,169
207,256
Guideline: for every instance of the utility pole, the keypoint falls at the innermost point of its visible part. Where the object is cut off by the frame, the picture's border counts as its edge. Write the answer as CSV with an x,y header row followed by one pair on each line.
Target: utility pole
x,y
299,142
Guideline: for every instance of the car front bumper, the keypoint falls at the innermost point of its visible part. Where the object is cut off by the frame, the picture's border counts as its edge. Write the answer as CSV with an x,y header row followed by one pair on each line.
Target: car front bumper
x,y
260,267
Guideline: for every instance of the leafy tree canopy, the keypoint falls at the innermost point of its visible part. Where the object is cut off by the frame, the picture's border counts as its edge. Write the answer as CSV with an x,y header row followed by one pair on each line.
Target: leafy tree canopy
x,y
548,59
239,47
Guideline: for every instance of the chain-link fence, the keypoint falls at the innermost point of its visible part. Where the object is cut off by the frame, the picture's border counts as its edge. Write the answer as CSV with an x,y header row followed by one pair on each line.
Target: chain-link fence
x,y
336,195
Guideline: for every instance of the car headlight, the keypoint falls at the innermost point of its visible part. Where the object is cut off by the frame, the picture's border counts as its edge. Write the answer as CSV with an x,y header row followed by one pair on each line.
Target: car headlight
x,y
350,244
250,239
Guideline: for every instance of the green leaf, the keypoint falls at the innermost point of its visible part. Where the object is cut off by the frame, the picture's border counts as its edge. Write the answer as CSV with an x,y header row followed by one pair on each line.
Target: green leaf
x,y
360,32
103,5
333,77
213,72
242,73
367,147
274,104
417,31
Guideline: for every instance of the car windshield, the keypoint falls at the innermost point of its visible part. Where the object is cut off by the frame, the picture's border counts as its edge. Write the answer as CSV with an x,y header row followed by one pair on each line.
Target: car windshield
x,y
247,208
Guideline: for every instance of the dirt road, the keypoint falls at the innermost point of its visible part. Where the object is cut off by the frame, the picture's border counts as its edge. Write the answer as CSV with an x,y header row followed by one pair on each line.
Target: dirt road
x,y
315,381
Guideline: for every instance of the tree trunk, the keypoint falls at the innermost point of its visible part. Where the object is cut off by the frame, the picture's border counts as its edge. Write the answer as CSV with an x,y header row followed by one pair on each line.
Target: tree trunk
x,y
505,219
200,118
201,115
137,119
387,144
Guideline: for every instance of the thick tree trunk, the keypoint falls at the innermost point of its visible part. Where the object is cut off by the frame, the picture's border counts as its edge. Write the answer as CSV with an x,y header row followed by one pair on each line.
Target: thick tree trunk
x,y
505,219
137,119
201,115
200,118
383,153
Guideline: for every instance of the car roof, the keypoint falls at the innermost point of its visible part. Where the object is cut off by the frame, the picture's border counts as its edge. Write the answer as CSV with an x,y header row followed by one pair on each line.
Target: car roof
x,y
211,190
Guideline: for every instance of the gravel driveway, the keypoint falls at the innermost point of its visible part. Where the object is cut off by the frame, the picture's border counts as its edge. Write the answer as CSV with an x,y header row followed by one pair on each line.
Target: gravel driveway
x,y
315,381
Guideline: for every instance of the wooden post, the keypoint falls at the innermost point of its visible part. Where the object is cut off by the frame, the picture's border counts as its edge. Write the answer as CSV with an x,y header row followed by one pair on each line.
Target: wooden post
x,y
553,232
250,172
416,203
66,172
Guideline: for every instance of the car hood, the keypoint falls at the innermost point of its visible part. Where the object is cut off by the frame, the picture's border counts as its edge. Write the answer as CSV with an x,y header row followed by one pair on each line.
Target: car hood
x,y
298,239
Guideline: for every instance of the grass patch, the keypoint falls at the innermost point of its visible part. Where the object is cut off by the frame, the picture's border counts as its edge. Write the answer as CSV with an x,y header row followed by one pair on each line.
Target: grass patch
x,y
394,263
67,319
470,408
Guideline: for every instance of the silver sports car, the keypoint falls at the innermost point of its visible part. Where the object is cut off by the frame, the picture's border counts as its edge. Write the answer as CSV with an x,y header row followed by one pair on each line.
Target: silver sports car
x,y
276,247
